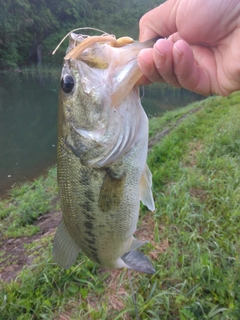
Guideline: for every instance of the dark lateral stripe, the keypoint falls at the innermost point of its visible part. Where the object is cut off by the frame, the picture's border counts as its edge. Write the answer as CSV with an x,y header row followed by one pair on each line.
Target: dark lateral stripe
x,y
88,225
94,254
90,240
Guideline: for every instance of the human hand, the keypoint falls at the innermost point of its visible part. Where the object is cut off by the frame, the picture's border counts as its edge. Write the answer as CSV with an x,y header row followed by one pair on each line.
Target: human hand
x,y
202,51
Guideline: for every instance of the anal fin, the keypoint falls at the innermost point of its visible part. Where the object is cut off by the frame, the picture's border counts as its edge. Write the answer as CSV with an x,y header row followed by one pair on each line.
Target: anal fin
x,y
65,250
135,244
138,261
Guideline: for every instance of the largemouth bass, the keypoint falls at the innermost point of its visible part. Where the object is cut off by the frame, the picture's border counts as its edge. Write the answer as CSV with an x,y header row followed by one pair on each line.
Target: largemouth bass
x,y
102,151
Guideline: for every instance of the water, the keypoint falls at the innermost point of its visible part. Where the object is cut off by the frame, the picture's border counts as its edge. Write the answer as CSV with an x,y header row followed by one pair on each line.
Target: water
x,y
158,98
28,123
28,131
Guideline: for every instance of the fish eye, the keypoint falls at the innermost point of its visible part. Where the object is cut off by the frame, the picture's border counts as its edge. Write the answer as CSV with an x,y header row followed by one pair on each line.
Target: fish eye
x,y
67,83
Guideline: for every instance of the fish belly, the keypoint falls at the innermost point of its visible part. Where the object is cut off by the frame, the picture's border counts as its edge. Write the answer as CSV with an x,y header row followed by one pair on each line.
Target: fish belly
x,y
100,210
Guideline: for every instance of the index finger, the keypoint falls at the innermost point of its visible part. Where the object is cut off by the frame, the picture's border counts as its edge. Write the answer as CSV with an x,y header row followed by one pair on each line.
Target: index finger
x,y
159,21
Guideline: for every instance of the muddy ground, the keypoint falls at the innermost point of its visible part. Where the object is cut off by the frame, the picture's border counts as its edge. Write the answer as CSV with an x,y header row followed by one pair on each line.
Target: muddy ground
x,y
14,254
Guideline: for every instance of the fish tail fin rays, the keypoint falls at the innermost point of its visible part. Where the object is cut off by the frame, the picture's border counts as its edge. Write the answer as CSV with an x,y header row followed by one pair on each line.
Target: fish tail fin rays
x,y
136,260
146,195
65,250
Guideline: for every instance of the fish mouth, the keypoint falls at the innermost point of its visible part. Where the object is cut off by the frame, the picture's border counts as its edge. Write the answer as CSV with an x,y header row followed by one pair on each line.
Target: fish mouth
x,y
111,40
114,59
127,46
87,42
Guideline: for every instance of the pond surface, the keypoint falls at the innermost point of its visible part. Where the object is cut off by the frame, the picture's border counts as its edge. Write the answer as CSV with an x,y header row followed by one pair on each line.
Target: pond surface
x,y
28,123
28,132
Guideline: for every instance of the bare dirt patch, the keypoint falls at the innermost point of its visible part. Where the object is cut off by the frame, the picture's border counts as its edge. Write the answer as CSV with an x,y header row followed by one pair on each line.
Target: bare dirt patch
x,y
199,194
14,255
146,232
194,149
117,286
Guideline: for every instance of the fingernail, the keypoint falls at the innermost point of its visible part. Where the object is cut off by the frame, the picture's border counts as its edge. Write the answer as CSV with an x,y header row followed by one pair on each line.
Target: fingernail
x,y
160,55
177,47
160,52
177,57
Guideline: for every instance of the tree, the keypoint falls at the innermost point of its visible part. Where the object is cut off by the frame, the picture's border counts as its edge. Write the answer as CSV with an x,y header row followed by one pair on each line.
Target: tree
x,y
27,25
14,18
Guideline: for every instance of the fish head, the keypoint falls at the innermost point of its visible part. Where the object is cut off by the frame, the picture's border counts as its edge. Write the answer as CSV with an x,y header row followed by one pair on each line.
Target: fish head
x,y
97,74
82,102
97,81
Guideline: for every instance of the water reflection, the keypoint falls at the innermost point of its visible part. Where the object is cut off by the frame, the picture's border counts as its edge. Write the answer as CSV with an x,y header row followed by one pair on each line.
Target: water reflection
x,y
28,113
158,98
28,122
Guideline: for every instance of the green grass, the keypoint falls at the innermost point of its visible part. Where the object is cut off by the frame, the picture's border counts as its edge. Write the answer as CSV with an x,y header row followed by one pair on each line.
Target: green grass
x,y
196,170
27,203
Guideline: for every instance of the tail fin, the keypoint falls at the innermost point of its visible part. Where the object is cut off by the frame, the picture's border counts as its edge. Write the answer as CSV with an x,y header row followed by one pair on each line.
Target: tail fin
x,y
138,261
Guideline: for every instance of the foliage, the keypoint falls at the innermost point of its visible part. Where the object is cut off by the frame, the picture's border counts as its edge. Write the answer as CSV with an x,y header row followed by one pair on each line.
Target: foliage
x,y
196,247
27,27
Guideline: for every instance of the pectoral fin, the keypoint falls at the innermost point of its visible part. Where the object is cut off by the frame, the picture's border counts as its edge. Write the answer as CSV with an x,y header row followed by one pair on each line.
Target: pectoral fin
x,y
65,250
138,261
111,191
145,189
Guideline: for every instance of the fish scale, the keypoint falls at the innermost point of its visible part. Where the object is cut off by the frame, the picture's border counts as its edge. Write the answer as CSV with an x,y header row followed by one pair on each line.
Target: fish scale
x,y
102,150
74,178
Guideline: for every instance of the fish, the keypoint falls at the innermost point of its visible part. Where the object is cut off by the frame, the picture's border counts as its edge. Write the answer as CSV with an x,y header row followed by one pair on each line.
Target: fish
x,y
101,155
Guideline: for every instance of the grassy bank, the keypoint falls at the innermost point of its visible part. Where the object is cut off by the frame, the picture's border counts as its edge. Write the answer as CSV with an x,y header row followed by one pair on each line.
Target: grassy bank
x,y
194,233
